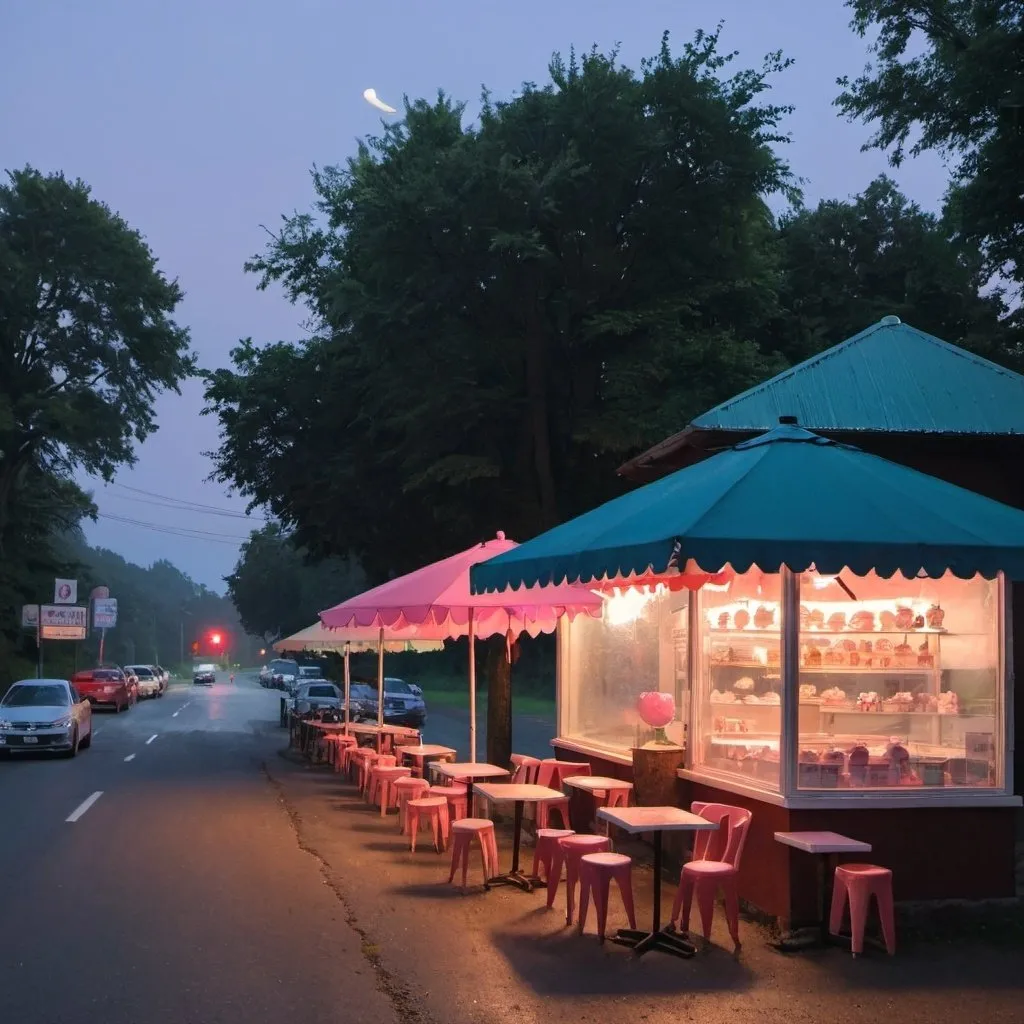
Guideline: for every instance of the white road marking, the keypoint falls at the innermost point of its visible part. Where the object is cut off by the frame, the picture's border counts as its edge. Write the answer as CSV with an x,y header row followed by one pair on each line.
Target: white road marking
x,y
151,738
130,757
84,806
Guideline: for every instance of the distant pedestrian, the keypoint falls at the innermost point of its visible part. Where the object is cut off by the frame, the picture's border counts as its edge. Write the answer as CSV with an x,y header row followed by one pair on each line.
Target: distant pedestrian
x,y
232,677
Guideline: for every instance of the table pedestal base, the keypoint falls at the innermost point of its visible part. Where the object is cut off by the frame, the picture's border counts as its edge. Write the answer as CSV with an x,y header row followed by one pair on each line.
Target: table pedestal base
x,y
518,879
665,941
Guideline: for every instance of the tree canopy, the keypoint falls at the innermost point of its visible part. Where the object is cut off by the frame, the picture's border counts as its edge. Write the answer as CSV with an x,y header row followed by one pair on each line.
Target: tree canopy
x,y
504,312
278,592
949,76
87,342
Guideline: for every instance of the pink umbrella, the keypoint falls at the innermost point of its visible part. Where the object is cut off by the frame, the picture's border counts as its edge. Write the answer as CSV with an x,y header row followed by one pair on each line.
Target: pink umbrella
x,y
437,602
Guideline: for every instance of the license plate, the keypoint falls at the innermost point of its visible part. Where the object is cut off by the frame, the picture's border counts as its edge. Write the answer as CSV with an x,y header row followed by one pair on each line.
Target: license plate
x,y
29,739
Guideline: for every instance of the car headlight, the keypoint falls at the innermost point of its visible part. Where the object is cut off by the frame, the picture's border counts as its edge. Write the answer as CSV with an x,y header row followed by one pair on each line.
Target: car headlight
x,y
62,723
5,724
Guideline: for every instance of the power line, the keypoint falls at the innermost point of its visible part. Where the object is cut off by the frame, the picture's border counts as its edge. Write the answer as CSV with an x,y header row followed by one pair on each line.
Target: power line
x,y
176,531
194,505
198,510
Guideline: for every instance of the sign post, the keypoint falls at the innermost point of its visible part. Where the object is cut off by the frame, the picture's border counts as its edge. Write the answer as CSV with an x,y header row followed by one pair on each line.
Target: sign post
x,y
104,617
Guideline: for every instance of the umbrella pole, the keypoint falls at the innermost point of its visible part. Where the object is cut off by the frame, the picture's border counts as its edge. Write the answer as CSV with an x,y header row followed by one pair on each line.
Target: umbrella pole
x,y
348,691
380,687
472,688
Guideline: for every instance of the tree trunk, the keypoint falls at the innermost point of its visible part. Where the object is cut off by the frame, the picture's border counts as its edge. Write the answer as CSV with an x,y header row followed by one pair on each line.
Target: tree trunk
x,y
499,704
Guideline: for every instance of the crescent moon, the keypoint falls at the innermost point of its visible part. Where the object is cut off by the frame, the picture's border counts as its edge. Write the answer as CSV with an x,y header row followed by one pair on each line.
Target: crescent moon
x,y
370,95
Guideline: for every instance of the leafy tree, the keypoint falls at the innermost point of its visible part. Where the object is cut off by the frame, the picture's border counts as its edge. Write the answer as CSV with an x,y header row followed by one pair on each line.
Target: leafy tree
x,y
963,97
87,338
276,591
845,265
503,313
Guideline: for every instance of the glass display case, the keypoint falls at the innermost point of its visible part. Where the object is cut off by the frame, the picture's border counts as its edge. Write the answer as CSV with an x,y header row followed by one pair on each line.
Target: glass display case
x,y
739,710
904,676
639,644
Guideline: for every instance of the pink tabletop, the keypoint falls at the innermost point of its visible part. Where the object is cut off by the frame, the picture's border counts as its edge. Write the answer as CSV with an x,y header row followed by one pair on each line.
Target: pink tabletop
x,y
427,750
470,770
655,819
822,842
515,793
595,783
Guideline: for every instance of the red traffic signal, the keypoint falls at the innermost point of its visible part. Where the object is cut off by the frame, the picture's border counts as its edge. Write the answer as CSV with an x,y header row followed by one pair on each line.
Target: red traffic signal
x,y
215,639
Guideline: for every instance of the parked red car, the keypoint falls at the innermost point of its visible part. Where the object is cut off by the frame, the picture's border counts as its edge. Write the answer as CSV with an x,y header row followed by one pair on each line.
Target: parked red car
x,y
104,687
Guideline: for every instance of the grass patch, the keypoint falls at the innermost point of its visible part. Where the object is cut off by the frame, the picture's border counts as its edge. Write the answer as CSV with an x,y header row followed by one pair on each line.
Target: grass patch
x,y
522,704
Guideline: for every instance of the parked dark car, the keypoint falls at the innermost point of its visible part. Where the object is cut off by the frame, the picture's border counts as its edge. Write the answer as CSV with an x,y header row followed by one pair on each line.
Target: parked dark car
x,y
402,705
205,675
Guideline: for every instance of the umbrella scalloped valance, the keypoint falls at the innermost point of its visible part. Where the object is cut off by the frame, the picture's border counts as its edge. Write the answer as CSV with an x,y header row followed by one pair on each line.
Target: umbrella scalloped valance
x,y
787,498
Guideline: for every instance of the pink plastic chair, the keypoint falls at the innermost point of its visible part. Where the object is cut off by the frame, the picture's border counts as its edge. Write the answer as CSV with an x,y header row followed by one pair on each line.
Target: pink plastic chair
x,y
547,848
432,810
456,797
551,773
462,833
404,790
525,769
568,852
361,759
859,882
715,864
596,873
345,744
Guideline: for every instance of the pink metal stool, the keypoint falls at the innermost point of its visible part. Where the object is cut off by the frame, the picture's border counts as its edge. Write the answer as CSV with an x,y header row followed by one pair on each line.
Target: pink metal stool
x,y
550,773
403,790
715,864
462,834
859,882
384,779
360,760
380,761
432,809
547,847
596,873
456,797
568,851
343,744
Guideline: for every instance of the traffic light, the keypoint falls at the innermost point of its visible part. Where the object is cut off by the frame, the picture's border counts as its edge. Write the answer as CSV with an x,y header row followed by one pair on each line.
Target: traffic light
x,y
215,639
195,646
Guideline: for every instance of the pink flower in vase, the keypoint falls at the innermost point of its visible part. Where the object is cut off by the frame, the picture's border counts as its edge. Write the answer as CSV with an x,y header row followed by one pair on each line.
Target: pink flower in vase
x,y
657,710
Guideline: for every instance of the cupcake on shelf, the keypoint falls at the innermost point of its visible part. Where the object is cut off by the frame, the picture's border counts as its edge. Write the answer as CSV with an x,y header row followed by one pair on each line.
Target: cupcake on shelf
x,y
833,695
862,622
869,701
744,684
904,618
904,655
935,616
948,703
902,701
807,691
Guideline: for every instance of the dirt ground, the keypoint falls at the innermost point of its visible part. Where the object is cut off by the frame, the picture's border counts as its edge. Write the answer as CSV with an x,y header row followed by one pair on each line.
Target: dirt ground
x,y
482,957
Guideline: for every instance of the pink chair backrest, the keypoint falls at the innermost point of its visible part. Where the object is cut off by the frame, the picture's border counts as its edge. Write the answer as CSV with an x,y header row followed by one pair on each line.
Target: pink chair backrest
x,y
726,844
526,769
552,771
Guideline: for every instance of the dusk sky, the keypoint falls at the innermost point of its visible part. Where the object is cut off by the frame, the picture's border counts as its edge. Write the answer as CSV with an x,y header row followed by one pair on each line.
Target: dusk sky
x,y
198,121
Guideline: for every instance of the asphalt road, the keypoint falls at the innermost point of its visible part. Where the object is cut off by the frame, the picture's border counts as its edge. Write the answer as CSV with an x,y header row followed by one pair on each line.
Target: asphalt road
x,y
180,893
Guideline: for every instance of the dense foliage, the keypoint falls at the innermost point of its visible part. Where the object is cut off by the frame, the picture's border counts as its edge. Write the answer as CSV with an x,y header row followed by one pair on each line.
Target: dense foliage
x,y
278,592
948,76
505,313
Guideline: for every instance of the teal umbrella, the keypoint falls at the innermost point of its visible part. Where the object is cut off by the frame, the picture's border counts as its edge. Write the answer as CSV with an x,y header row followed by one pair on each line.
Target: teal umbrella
x,y
788,497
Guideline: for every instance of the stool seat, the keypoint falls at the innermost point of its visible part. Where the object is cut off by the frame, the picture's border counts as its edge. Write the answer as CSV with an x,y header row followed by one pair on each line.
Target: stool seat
x,y
462,833
568,851
405,789
597,871
544,853
433,809
708,867
857,883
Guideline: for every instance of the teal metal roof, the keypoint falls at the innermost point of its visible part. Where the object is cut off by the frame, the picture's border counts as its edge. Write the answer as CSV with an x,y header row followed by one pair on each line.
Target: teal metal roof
x,y
788,497
891,378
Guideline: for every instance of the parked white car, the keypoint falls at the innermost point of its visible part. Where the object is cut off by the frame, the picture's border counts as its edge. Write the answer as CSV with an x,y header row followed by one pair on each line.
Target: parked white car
x,y
44,714
149,681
